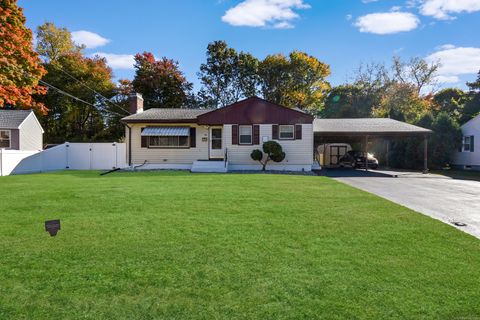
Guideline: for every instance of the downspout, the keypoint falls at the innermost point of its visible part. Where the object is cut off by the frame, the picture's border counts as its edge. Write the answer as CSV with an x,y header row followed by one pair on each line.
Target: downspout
x,y
129,144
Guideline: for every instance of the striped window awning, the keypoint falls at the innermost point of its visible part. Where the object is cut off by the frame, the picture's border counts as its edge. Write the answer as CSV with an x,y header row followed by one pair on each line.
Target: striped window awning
x,y
166,131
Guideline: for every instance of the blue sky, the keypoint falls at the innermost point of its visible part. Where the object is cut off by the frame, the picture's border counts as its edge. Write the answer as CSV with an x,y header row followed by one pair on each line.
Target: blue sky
x,y
342,33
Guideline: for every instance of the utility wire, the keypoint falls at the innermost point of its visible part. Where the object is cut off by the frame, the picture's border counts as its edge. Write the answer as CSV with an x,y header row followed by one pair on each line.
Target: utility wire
x,y
86,86
26,74
64,93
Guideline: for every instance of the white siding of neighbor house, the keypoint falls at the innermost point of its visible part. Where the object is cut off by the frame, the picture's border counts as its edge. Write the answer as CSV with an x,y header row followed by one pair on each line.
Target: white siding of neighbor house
x,y
31,134
167,157
466,158
299,153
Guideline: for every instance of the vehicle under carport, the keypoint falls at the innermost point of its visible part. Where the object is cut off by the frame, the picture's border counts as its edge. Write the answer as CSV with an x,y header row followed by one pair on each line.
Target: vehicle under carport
x,y
363,130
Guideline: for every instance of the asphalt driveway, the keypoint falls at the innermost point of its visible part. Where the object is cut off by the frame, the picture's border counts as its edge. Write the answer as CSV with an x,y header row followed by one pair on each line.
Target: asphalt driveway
x,y
443,198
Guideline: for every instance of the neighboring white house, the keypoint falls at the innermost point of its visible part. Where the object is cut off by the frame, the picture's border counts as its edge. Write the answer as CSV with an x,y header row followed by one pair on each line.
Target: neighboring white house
x,y
468,157
20,130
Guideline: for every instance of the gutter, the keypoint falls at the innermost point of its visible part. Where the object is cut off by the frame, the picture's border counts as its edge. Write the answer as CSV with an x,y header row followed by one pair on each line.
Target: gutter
x,y
129,144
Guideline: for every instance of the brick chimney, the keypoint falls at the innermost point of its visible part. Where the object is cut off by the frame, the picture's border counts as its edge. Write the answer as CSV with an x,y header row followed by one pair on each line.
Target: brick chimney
x,y
135,103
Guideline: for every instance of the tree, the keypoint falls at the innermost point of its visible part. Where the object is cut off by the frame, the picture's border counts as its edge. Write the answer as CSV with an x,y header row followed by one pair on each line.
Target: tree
x,y
87,79
20,66
472,106
52,42
227,76
274,72
161,82
296,81
349,101
401,101
115,111
451,101
416,72
217,74
273,151
246,77
445,140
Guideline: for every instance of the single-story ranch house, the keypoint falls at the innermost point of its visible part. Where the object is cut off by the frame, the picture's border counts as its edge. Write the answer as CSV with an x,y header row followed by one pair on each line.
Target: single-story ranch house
x,y
20,130
219,140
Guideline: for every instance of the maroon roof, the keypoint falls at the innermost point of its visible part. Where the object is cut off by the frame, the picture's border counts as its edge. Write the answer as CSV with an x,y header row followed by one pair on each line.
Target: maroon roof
x,y
254,111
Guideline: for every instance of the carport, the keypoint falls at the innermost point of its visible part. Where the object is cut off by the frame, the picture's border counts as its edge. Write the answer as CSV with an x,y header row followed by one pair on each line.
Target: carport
x,y
364,129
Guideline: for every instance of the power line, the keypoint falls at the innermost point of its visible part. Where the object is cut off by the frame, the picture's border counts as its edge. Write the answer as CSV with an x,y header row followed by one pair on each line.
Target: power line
x,y
27,74
86,86
64,93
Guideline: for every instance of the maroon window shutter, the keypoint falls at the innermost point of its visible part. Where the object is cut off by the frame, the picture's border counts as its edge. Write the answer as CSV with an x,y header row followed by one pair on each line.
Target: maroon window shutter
x,y
298,132
144,143
234,134
256,134
193,137
275,132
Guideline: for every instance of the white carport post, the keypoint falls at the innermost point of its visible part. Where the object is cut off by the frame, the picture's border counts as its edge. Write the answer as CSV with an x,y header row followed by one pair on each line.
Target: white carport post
x,y
425,154
366,153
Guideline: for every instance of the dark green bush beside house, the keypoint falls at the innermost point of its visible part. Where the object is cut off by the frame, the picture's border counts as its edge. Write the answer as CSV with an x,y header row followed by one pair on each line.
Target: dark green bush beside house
x,y
273,151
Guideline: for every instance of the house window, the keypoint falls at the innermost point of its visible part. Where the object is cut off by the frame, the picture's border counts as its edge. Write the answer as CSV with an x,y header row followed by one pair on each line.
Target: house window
x,y
245,133
4,138
286,132
168,141
467,143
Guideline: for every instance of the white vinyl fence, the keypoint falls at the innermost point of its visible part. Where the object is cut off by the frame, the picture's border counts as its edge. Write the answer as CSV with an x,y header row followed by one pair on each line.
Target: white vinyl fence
x,y
68,156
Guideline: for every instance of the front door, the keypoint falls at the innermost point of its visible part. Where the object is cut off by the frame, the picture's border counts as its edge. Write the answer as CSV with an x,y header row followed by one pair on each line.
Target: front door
x,y
216,143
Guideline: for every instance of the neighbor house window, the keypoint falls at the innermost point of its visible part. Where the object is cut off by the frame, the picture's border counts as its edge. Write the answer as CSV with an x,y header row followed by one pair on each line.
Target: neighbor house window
x,y
286,132
245,133
168,141
467,143
4,138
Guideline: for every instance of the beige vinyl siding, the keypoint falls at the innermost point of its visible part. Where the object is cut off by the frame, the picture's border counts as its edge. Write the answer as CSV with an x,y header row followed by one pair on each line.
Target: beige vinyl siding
x,y
167,156
298,152
31,134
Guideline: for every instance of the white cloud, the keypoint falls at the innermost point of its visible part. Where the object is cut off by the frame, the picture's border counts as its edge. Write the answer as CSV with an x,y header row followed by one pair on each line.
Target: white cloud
x,y
447,79
89,39
442,9
349,17
455,61
369,1
117,61
264,13
387,22
445,47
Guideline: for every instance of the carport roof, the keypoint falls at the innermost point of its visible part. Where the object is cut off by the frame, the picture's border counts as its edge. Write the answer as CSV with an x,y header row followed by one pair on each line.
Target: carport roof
x,y
366,126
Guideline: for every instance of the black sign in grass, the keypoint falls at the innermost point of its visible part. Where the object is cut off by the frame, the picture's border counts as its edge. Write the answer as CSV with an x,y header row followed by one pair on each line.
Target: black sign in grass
x,y
52,226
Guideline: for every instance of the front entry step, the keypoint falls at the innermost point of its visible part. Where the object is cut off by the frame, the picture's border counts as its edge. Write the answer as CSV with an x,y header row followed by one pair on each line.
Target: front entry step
x,y
210,166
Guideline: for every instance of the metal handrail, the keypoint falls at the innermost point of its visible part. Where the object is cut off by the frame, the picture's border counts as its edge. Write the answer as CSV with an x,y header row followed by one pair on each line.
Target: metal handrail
x,y
225,158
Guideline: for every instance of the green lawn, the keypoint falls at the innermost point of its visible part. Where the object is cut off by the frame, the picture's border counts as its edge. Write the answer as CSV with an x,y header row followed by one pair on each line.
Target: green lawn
x,y
197,246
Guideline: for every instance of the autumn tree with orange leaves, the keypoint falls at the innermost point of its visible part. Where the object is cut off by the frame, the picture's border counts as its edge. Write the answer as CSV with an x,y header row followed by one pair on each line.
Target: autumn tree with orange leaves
x,y
161,82
20,66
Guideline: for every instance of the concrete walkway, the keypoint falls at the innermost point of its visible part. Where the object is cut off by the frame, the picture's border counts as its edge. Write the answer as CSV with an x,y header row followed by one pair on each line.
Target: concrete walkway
x,y
443,198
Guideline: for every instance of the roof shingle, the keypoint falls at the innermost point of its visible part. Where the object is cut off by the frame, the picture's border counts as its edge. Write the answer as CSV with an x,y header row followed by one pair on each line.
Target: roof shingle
x,y
12,119
166,114
365,126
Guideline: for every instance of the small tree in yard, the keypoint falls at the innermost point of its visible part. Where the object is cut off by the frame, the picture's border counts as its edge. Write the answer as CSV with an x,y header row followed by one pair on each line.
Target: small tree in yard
x,y
273,151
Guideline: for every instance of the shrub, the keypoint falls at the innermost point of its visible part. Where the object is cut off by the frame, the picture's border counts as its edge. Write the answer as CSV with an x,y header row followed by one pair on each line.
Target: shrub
x,y
273,151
